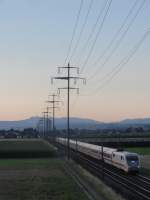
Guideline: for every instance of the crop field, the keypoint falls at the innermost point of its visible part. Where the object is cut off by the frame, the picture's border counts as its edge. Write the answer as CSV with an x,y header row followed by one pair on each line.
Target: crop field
x,y
30,170
36,179
25,148
140,150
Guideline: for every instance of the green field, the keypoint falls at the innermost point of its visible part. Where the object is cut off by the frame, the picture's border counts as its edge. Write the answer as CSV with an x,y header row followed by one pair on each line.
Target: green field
x,y
36,179
24,145
27,175
140,150
25,148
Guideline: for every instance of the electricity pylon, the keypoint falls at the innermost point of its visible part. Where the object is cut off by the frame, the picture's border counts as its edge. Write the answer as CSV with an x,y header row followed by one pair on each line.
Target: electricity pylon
x,y
53,101
68,88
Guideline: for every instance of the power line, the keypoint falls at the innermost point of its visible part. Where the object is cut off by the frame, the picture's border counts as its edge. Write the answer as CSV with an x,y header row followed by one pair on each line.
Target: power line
x,y
111,75
119,41
74,31
82,30
98,32
93,29
116,34
96,37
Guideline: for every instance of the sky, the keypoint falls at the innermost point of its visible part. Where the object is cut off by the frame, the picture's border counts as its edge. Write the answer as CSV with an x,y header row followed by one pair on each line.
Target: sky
x,y
35,38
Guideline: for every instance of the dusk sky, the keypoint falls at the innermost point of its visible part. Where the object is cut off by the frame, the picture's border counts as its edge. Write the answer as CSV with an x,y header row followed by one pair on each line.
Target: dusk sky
x,y
34,40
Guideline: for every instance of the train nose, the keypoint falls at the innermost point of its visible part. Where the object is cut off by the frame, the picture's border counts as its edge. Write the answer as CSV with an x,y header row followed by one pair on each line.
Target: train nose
x,y
134,166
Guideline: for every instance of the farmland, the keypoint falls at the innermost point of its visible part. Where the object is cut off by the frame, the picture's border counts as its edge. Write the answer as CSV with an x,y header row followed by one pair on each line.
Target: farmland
x,y
25,148
140,150
34,178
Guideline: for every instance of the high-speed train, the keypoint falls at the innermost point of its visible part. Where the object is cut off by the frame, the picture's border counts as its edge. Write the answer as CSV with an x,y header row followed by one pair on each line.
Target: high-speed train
x,y
124,160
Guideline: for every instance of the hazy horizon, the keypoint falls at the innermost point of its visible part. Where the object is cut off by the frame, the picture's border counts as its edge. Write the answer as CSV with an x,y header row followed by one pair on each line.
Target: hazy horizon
x,y
57,117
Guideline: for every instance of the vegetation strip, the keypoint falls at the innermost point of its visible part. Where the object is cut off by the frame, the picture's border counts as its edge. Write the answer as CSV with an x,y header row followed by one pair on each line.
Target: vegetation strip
x,y
26,148
140,150
88,191
99,188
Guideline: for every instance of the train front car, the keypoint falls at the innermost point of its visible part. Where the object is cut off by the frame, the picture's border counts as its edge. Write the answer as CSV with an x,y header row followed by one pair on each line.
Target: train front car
x,y
133,162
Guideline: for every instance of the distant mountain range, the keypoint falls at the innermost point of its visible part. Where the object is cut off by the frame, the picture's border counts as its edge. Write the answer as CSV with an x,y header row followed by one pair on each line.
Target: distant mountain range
x,y
139,122
21,124
61,123
136,121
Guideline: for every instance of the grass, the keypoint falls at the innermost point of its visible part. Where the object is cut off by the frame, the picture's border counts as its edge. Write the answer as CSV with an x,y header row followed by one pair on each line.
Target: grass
x,y
25,148
140,150
24,144
23,176
36,179
145,172
102,190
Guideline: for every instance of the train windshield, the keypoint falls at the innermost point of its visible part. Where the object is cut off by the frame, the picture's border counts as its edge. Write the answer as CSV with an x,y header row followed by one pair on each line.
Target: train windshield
x,y
132,160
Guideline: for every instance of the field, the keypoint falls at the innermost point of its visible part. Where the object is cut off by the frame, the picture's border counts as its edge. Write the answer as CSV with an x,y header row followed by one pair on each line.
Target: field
x,y
140,150
25,148
36,179
32,178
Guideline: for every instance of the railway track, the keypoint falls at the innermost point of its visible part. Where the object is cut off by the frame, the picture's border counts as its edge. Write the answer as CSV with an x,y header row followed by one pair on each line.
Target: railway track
x,y
138,187
132,187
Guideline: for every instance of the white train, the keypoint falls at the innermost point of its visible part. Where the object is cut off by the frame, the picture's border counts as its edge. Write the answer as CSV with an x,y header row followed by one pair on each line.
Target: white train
x,y
127,161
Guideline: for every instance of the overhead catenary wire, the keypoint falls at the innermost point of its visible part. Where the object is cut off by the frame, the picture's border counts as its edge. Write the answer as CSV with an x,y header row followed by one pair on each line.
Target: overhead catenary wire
x,y
74,31
118,42
97,35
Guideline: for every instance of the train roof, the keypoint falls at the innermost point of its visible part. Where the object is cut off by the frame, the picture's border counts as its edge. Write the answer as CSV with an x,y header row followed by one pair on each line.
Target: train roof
x,y
93,146
97,147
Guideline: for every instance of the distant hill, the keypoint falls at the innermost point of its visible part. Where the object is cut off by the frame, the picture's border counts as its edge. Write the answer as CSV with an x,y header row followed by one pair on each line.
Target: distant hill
x,y
139,122
136,121
61,123
75,122
21,124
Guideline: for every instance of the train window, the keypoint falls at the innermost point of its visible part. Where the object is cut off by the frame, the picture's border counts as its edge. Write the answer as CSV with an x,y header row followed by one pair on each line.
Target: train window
x,y
106,155
122,158
131,158
113,155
